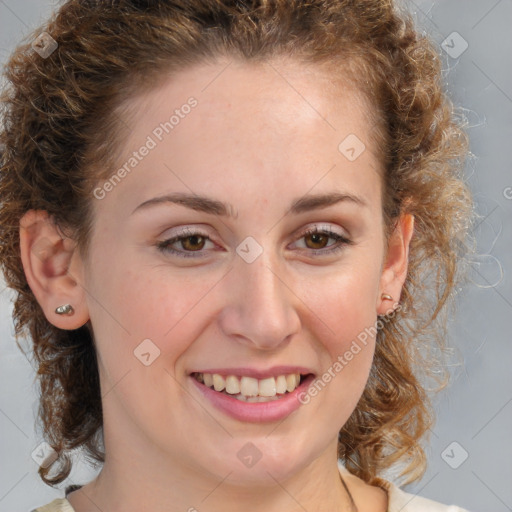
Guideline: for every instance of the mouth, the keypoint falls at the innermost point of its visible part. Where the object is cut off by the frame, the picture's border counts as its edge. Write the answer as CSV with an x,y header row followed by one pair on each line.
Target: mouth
x,y
246,398
250,389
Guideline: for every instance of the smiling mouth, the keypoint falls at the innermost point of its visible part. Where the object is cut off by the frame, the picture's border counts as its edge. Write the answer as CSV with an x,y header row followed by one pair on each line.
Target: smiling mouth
x,y
249,389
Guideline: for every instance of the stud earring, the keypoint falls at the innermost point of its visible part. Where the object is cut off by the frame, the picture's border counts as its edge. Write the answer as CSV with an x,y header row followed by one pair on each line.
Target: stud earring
x,y
385,296
66,309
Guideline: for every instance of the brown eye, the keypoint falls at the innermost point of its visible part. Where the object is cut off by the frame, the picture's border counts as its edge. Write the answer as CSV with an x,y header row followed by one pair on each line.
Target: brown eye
x,y
319,240
191,243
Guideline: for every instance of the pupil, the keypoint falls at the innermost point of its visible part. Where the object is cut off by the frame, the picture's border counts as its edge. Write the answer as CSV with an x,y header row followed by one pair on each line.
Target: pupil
x,y
194,239
315,238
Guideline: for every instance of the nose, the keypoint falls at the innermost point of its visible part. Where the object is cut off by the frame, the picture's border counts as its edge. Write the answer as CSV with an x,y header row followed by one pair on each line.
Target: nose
x,y
260,306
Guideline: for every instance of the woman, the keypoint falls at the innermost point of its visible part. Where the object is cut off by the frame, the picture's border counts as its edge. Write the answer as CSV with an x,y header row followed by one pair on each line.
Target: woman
x,y
220,219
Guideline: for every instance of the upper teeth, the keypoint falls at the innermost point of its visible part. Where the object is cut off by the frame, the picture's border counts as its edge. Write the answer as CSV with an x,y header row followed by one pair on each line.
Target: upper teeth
x,y
248,386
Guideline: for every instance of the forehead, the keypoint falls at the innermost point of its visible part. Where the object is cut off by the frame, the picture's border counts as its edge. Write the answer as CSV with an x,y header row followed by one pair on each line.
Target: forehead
x,y
279,93
252,124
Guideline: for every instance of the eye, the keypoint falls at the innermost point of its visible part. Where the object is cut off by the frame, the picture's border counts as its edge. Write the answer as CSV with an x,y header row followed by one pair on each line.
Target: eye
x,y
319,238
191,241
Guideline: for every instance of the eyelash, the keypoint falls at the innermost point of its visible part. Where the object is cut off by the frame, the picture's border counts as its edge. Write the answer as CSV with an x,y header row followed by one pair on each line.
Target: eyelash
x,y
164,245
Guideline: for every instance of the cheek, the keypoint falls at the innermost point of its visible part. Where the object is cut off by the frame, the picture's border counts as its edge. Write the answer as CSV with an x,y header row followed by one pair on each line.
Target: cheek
x,y
345,319
345,302
131,302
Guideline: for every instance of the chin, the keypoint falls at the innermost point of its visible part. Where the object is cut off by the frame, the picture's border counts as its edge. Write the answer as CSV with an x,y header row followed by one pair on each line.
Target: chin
x,y
262,461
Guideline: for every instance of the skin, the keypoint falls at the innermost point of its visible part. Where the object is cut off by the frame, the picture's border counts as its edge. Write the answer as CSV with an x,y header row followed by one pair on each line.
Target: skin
x,y
257,139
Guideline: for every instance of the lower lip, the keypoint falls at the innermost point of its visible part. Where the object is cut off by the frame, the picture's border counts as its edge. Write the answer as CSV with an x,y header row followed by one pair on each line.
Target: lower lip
x,y
255,411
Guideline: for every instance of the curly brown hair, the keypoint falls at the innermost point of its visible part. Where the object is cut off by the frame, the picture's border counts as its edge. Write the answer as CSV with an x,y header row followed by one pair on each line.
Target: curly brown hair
x,y
61,132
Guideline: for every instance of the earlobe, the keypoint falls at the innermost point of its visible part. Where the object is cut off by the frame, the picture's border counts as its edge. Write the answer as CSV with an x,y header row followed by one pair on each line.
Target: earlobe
x,y
46,256
394,270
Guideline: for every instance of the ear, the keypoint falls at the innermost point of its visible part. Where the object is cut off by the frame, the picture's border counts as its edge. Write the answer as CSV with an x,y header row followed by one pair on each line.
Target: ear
x,y
394,269
53,269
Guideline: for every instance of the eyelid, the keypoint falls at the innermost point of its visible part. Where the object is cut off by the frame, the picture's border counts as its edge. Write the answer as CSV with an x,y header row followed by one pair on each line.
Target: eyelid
x,y
317,227
187,231
341,240
165,244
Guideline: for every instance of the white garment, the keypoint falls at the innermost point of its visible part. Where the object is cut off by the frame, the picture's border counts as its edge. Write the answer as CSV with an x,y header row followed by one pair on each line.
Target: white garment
x,y
401,501
398,501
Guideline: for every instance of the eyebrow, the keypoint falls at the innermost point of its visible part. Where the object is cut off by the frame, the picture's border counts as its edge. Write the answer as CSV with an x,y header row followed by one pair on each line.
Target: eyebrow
x,y
215,207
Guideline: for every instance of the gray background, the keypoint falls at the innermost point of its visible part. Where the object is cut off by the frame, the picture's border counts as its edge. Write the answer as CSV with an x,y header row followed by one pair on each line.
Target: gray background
x,y
475,411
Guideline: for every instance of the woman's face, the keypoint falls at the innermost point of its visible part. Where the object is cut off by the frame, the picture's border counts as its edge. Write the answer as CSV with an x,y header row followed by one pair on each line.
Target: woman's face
x,y
248,291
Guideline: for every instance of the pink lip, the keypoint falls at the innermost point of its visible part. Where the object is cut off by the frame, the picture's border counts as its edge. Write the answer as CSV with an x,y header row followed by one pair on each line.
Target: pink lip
x,y
255,373
255,412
